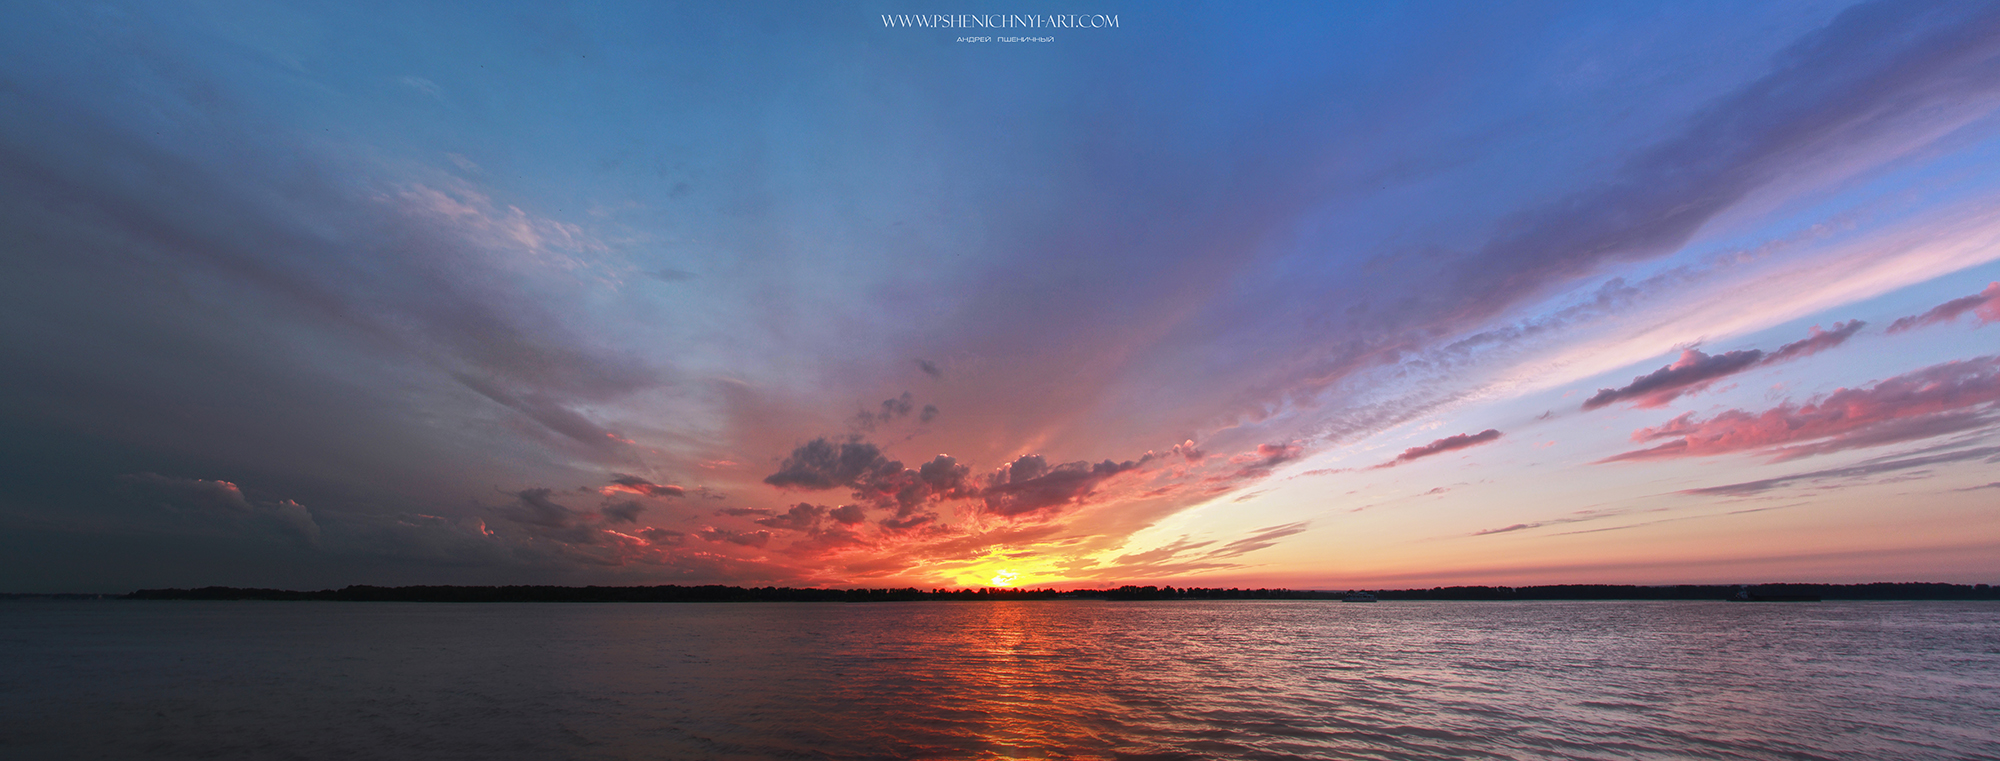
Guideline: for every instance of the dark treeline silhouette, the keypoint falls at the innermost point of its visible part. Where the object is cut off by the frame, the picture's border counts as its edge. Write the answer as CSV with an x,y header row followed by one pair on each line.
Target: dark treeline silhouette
x,y
718,593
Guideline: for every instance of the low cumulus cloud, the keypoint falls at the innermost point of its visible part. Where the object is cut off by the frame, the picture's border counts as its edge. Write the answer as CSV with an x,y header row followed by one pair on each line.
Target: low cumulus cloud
x,y
889,411
1933,401
622,512
1029,485
1696,371
1441,446
1984,304
218,499
800,517
872,477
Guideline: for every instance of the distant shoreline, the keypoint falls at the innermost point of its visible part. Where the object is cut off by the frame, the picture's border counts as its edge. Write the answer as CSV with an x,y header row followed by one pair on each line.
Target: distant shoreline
x,y
718,593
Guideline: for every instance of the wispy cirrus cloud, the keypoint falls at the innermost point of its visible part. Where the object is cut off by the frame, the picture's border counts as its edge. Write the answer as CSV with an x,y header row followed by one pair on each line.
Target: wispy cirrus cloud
x,y
1869,468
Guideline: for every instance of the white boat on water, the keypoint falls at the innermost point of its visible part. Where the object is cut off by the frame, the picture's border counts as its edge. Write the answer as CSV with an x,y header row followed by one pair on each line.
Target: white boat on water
x,y
1358,597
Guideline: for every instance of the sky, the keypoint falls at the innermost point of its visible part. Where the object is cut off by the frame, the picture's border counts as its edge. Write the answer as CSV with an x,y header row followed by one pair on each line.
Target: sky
x,y
1311,295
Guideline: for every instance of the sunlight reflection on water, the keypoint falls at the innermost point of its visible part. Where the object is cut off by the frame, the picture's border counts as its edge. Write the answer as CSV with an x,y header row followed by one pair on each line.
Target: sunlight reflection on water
x,y
1084,679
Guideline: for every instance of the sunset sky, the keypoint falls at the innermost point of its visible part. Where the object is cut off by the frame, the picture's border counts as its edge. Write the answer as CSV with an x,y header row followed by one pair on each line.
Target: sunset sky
x,y
1315,295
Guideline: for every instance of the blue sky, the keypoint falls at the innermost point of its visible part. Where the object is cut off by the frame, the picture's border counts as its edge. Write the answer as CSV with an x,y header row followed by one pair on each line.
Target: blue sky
x,y
1301,295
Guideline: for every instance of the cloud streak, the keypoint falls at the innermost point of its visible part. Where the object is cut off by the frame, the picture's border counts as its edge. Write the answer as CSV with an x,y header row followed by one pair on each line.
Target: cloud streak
x,y
1933,401
1695,371
1441,446
1984,304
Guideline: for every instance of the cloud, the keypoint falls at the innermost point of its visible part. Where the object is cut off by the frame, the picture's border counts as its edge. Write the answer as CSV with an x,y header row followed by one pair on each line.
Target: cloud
x,y
1985,304
930,368
1819,341
547,411
1507,529
1835,87
823,464
929,413
1258,463
1693,372
223,499
891,410
664,536
1441,446
534,507
622,512
801,517
1262,538
1929,402
875,479
642,487
755,539
1870,468
421,85
1029,486
848,514
1696,371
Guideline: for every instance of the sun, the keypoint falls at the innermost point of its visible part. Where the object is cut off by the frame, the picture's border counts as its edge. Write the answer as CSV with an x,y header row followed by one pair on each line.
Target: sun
x,y
1005,578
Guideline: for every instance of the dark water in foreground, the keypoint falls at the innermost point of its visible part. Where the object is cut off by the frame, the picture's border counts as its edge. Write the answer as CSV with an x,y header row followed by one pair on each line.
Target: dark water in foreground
x,y
1084,679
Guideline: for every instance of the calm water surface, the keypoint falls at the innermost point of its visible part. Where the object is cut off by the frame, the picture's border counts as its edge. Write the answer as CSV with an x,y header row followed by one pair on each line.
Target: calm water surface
x,y
1070,679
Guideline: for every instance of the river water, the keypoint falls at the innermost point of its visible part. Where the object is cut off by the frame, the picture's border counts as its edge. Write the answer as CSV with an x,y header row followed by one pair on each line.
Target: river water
x,y
1065,679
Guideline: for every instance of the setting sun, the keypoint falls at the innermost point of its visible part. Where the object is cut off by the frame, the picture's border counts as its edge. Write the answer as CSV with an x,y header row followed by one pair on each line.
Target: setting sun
x,y
1005,578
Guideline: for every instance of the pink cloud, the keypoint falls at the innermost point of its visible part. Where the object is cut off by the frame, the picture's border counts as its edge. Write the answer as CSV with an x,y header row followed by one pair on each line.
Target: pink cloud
x,y
1441,446
641,487
1819,341
1929,402
1984,304
1695,371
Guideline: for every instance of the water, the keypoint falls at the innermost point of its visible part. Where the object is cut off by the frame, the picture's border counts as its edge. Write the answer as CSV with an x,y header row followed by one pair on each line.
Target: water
x,y
1071,679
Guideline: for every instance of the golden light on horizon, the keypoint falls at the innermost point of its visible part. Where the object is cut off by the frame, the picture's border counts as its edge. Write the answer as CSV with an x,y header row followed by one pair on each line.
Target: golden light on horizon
x,y
1005,578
